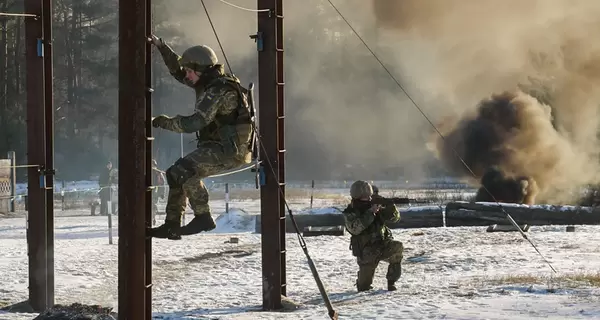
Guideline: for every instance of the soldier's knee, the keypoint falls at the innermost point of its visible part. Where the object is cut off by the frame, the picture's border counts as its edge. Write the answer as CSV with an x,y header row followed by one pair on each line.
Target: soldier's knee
x,y
179,172
398,246
397,252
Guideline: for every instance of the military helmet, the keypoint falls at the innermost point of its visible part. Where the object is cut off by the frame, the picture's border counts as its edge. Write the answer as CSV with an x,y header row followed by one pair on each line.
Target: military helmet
x,y
198,58
361,189
375,189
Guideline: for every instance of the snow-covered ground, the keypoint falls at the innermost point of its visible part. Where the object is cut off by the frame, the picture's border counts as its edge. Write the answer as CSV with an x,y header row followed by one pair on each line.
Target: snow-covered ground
x,y
448,273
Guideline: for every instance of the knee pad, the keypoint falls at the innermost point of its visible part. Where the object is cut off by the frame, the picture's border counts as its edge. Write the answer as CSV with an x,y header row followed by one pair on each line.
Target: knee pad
x,y
179,172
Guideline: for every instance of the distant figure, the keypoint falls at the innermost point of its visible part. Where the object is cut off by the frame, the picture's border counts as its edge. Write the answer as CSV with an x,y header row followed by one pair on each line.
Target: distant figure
x,y
375,190
223,127
372,240
106,180
158,181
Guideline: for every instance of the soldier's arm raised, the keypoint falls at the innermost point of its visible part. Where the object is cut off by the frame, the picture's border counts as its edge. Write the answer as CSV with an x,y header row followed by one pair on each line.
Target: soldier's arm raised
x,y
215,99
389,213
171,60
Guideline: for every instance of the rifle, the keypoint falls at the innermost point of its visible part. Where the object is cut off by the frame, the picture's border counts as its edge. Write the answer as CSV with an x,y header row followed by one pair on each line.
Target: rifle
x,y
377,199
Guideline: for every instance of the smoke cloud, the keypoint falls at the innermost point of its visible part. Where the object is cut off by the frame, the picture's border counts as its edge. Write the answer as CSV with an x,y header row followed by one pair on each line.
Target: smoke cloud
x,y
526,73
514,85
342,115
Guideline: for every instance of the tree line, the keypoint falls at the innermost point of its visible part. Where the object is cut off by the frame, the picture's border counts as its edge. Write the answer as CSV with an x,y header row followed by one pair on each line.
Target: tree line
x,y
85,48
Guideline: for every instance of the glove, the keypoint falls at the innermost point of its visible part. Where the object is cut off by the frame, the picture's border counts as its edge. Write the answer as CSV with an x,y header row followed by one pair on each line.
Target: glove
x,y
160,121
155,40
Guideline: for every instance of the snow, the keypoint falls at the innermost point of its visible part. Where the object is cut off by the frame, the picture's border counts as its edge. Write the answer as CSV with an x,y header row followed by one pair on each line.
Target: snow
x,y
236,220
449,273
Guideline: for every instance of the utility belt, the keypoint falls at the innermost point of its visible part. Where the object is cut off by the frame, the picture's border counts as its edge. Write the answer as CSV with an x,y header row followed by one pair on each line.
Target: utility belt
x,y
229,140
359,242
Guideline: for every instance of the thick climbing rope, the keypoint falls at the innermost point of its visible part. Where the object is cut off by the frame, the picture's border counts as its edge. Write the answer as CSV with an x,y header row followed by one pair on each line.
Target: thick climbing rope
x,y
332,313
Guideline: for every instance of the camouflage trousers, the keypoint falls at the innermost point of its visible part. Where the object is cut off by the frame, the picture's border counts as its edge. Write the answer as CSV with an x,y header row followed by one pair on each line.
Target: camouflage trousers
x,y
390,251
185,176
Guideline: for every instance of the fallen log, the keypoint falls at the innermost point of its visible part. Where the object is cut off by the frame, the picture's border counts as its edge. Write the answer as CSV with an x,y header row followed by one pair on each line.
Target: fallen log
x,y
486,213
419,217
324,231
411,217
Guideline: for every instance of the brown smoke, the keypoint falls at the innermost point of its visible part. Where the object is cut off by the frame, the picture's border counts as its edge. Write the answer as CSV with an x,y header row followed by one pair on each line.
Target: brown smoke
x,y
538,61
512,133
496,186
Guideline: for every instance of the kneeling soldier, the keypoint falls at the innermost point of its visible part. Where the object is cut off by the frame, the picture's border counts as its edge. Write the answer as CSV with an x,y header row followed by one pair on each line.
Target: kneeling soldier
x,y
372,240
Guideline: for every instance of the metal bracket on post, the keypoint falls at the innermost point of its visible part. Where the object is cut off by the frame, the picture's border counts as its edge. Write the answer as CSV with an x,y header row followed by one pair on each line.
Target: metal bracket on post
x,y
259,40
43,173
42,177
261,175
40,48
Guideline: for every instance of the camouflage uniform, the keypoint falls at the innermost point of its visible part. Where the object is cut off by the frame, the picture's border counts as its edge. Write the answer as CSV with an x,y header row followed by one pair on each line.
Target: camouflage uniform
x,y
223,127
372,240
106,180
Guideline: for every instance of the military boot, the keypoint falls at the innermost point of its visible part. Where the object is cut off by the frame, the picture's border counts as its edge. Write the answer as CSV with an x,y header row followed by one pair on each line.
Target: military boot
x,y
361,288
170,230
392,286
201,222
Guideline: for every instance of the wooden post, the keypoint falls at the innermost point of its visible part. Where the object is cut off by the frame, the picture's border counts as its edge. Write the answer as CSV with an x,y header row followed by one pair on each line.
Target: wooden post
x,y
270,77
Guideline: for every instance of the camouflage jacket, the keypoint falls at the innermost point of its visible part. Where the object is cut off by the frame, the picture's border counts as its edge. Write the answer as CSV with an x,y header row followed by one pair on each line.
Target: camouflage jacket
x,y
108,177
158,180
367,227
214,118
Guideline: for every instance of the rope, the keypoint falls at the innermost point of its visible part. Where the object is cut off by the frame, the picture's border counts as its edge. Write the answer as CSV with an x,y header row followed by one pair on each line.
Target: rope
x,y
22,166
245,9
216,36
250,166
332,312
512,221
6,14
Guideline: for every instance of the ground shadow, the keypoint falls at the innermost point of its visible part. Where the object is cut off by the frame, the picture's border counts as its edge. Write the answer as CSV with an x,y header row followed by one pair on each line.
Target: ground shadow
x,y
209,313
239,252
345,297
19,307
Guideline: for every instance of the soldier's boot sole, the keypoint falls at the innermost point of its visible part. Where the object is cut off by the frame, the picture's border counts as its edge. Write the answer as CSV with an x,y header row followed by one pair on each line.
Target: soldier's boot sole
x,y
169,231
200,223
361,289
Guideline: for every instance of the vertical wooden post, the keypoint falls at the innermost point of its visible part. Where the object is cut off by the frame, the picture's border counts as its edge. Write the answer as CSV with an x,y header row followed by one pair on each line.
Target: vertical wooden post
x,y
270,77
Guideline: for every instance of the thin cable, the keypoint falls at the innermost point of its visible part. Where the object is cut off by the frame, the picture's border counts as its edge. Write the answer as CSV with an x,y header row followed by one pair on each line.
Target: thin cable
x,y
216,36
331,311
22,166
245,9
250,166
18,14
512,221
